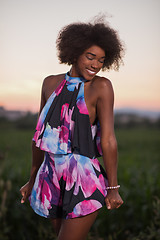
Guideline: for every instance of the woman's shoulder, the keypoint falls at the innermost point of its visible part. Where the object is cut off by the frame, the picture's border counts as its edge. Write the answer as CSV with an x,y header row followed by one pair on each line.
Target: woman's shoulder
x,y
52,81
105,93
102,84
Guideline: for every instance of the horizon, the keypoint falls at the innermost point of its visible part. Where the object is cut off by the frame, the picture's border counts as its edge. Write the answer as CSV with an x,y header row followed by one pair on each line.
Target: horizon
x,y
119,109
28,50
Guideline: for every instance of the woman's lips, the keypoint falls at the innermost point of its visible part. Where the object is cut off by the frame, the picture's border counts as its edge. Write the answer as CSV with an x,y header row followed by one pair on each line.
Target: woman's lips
x,y
91,72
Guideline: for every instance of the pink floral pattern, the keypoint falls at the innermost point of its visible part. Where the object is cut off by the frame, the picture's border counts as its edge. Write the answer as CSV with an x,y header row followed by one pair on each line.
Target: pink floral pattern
x,y
81,181
70,182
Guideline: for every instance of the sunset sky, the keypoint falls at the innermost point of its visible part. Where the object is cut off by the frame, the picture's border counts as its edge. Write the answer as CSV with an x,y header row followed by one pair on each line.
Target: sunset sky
x,y
29,28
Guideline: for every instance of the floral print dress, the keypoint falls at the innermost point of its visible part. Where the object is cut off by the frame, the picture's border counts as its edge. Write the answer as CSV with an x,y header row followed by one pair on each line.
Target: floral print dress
x,y
70,182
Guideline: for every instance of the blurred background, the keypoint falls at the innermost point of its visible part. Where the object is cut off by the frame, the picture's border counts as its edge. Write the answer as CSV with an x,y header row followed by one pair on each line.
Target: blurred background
x,y
28,54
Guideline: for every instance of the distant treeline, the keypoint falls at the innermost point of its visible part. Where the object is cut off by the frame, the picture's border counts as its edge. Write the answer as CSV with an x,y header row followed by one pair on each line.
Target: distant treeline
x,y
26,122
133,120
122,120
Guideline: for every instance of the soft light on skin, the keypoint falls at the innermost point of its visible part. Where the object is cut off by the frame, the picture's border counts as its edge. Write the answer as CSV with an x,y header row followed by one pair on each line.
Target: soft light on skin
x,y
89,63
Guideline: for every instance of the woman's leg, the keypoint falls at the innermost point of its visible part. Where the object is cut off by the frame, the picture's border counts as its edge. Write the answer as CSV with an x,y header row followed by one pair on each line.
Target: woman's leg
x,y
76,228
56,224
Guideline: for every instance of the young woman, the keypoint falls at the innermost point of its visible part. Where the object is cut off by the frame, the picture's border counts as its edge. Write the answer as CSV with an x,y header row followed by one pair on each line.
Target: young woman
x,y
75,126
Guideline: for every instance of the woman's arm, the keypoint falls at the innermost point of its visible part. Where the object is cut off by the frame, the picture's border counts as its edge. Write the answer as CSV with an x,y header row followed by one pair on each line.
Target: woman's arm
x,y
105,103
37,158
37,154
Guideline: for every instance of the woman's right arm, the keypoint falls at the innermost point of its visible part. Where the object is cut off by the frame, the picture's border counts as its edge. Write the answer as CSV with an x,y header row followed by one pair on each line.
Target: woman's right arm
x,y
37,157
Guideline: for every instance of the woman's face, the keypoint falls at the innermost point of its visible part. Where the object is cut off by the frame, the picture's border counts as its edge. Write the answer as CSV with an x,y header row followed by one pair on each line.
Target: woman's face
x,y
89,63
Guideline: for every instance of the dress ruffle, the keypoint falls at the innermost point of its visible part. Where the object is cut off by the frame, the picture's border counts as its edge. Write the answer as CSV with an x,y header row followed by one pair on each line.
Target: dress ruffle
x,y
68,186
64,124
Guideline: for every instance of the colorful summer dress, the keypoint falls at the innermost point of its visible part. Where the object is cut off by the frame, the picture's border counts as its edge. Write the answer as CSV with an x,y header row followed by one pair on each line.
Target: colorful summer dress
x,y
70,182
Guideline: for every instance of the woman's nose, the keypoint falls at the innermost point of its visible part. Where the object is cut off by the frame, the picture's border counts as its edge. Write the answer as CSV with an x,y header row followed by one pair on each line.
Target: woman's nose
x,y
94,64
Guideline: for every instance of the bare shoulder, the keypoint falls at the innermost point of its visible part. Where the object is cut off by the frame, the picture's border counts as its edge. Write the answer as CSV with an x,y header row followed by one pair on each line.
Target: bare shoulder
x,y
50,83
103,85
53,79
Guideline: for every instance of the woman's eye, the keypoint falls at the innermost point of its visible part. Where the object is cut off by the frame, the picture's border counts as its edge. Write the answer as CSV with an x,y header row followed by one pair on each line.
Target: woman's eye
x,y
90,58
101,61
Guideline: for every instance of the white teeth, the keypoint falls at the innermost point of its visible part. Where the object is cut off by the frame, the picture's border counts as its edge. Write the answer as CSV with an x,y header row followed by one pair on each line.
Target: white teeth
x,y
91,72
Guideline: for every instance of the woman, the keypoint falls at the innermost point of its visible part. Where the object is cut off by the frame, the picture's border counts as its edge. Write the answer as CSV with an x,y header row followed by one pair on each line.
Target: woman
x,y
75,126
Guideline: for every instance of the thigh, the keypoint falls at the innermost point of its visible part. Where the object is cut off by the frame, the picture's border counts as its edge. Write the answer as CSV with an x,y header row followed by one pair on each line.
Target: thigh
x,y
77,228
56,223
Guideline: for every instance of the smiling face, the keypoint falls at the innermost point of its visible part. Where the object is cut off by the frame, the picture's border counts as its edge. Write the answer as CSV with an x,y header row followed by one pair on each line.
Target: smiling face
x,y
89,63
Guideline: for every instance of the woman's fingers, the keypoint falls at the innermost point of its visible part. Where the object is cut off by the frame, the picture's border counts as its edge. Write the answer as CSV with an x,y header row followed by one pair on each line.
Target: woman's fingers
x,y
23,195
24,191
113,203
119,203
108,204
22,200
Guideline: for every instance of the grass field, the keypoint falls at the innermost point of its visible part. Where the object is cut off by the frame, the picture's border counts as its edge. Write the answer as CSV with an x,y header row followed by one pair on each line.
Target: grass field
x,y
138,174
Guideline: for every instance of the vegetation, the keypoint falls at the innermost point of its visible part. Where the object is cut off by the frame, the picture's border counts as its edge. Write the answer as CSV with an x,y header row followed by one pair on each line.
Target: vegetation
x,y
138,174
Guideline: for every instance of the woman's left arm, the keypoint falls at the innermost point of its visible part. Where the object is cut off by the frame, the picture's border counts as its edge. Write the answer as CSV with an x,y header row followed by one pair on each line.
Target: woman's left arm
x,y
105,114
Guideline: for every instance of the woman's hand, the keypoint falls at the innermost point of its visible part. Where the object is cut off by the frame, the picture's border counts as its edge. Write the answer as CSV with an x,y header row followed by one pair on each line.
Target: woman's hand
x,y
26,191
113,199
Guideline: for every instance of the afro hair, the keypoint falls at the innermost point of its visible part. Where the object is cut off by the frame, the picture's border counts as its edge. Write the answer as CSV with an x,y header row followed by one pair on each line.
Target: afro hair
x,y
75,38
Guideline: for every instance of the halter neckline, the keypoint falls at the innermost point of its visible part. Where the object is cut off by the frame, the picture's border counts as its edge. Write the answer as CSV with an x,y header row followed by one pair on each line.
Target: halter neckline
x,y
74,79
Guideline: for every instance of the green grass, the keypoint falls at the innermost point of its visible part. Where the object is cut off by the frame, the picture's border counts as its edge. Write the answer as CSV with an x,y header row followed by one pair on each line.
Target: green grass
x,y
139,177
138,174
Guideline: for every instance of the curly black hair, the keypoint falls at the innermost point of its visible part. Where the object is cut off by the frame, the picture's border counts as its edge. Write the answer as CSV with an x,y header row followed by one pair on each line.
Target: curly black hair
x,y
75,38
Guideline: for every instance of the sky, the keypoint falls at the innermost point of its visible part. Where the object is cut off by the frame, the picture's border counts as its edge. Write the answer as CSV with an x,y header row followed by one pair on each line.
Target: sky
x,y
29,28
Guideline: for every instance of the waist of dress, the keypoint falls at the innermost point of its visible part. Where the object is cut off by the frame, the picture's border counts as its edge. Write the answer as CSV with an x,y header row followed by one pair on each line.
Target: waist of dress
x,y
74,152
